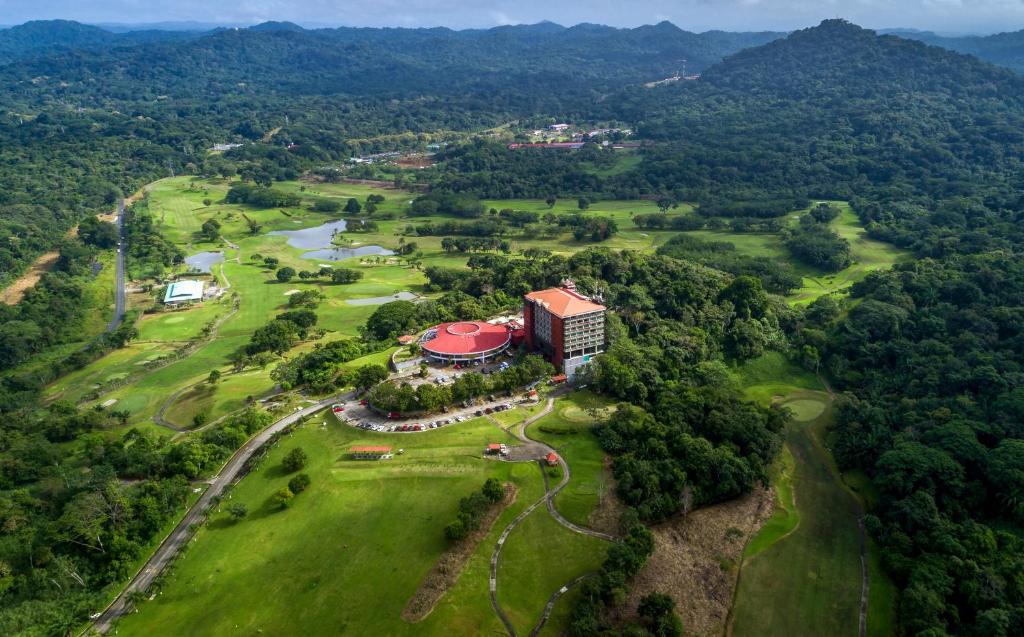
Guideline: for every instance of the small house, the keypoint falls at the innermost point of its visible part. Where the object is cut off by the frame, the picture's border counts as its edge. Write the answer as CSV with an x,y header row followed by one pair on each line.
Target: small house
x,y
552,459
371,453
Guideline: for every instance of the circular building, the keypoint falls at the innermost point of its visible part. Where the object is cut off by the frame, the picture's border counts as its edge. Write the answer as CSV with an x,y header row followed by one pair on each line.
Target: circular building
x,y
465,341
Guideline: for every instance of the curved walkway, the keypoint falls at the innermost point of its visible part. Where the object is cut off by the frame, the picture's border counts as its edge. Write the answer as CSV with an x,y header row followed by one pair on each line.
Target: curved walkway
x,y
173,543
548,498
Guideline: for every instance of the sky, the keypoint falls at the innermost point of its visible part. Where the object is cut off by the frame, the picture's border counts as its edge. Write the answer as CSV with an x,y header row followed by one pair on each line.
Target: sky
x,y
944,16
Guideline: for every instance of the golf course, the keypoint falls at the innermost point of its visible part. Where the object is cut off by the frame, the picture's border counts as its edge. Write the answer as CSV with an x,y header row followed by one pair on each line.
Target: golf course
x,y
362,528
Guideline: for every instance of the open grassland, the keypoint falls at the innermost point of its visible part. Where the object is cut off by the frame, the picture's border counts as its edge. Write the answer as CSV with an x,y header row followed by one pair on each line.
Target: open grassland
x,y
803,568
351,550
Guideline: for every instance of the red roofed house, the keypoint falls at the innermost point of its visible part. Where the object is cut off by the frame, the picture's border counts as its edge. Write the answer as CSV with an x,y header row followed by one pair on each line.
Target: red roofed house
x,y
565,326
371,453
494,448
552,459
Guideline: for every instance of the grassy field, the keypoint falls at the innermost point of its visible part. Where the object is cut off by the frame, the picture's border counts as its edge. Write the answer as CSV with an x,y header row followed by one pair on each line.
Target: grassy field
x,y
361,530
567,429
802,571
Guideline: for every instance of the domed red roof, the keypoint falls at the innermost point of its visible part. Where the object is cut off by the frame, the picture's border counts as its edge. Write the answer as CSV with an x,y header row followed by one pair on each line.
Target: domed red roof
x,y
467,337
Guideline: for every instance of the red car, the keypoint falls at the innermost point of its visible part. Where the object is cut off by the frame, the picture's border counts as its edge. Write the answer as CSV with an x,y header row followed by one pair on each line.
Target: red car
x,y
418,428
338,410
363,402
405,427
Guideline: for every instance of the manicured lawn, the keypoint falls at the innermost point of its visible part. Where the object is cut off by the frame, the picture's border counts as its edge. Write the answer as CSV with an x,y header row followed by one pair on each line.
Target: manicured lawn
x,y
541,556
353,548
567,429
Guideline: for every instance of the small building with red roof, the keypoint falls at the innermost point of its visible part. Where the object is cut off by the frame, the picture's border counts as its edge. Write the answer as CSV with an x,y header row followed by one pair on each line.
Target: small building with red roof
x,y
552,459
465,341
371,453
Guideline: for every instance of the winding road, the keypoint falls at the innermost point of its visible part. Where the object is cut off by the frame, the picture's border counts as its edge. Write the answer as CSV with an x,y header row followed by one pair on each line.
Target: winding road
x,y
177,538
547,498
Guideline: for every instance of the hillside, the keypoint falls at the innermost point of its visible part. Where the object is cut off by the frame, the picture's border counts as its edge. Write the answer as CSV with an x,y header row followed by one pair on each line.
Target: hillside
x,y
48,37
284,57
1004,49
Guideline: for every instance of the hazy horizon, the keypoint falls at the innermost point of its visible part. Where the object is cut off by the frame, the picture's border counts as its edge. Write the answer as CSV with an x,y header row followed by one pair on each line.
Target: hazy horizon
x,y
942,16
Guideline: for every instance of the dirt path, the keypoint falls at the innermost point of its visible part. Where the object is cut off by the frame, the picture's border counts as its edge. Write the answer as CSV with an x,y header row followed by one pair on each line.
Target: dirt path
x,y
14,292
181,534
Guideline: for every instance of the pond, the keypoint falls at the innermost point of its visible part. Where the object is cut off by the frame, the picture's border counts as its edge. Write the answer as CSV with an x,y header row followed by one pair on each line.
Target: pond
x,y
320,238
380,300
337,254
203,261
312,238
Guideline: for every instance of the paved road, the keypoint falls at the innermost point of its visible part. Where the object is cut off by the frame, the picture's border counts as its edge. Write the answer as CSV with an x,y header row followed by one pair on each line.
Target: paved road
x,y
169,548
122,245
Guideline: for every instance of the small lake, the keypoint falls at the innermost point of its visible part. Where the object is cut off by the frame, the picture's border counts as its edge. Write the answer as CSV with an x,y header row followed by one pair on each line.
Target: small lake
x,y
311,238
337,254
320,238
204,261
380,300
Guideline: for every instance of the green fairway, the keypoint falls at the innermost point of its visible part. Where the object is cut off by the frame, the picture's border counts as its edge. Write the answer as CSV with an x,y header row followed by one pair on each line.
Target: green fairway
x,y
539,557
803,567
362,528
567,429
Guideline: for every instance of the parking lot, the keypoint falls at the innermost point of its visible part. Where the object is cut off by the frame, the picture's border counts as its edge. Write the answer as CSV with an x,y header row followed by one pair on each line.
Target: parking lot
x,y
356,414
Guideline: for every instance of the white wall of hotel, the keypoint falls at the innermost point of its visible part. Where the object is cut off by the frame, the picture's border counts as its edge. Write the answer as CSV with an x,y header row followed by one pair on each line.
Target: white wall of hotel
x,y
482,357
576,364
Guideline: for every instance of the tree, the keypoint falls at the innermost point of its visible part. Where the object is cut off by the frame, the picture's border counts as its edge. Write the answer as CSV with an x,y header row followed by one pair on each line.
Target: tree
x,y
658,612
270,262
238,511
211,229
583,203
299,483
282,498
369,375
664,203
294,460
213,377
352,206
98,233
345,275
285,274
207,202
326,205
391,319
551,201
493,490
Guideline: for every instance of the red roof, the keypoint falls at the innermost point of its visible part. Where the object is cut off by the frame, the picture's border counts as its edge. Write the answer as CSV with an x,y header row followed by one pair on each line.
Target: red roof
x,y
552,457
467,337
405,339
563,303
494,446
559,378
370,449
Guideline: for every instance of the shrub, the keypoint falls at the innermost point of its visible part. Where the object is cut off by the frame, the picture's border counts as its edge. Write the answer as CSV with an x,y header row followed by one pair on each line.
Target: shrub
x,y
299,483
295,460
